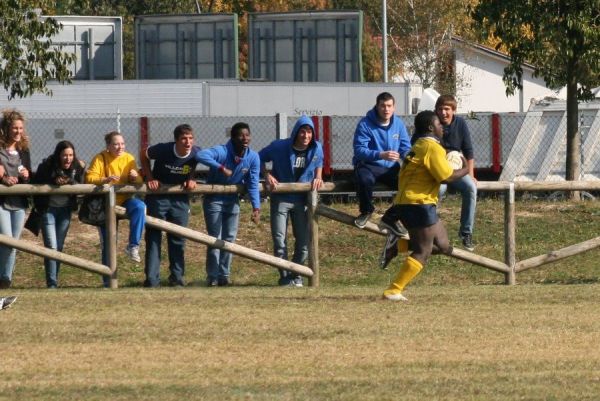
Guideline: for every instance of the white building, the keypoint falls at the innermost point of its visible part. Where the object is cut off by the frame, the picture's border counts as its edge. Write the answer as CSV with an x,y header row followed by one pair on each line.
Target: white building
x,y
215,98
479,70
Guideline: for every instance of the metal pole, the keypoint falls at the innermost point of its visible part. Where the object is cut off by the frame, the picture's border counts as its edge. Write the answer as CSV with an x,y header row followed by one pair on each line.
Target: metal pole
x,y
384,44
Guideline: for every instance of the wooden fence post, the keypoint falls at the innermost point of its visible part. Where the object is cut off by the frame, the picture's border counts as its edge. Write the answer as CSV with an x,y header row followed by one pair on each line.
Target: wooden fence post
x,y
111,236
313,242
509,234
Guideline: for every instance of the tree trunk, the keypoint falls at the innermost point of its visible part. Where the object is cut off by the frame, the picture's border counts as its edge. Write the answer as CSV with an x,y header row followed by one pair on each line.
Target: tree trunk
x,y
573,162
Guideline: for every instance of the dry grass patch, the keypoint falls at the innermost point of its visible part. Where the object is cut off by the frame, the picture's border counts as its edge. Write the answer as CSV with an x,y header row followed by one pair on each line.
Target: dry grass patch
x,y
478,343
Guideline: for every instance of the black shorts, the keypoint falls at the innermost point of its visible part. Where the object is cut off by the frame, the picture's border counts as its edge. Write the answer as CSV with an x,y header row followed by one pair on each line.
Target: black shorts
x,y
417,216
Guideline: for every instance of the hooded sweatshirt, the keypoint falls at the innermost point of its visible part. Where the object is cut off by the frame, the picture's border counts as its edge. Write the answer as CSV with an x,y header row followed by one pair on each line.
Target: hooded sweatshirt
x,y
371,138
281,153
246,171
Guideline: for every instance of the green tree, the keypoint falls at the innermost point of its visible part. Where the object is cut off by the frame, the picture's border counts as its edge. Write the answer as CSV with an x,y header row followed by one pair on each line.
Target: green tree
x,y
561,39
28,59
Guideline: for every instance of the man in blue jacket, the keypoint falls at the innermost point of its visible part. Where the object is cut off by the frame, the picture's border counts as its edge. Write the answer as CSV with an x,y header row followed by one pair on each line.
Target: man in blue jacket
x,y
298,158
380,143
229,164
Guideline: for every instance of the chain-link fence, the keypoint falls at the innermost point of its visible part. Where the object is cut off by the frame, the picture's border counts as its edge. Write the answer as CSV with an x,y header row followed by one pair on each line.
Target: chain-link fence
x,y
523,146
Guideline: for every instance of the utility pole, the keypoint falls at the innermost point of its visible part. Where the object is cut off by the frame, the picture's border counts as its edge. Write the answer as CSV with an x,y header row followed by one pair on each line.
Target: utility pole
x,y
384,44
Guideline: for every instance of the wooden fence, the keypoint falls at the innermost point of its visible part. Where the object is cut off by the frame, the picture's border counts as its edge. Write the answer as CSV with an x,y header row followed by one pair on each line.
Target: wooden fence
x,y
509,267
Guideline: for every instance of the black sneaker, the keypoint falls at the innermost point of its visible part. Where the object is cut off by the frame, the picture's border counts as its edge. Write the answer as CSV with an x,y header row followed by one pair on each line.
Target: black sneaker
x,y
467,240
5,303
393,227
176,283
389,252
362,219
223,282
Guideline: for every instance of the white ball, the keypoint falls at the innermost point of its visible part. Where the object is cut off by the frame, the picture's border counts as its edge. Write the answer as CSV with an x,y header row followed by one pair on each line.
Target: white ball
x,y
455,159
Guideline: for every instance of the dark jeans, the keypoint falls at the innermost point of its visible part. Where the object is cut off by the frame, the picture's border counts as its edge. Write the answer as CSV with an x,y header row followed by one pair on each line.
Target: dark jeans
x,y
366,175
175,210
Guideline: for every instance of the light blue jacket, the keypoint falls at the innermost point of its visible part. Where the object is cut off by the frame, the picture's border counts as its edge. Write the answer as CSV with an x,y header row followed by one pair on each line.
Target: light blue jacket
x,y
371,138
246,171
281,153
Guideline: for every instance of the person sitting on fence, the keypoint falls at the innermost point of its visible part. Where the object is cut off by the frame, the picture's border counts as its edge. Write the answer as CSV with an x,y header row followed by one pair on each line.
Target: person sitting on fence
x,y
174,164
295,159
424,168
115,166
62,167
15,168
229,164
380,142
457,137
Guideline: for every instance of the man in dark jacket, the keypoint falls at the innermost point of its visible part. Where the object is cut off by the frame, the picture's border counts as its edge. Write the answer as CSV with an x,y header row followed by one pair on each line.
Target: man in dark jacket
x,y
457,137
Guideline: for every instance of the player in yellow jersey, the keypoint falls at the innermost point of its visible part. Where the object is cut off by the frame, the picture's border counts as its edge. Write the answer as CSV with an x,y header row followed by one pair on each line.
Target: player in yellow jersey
x,y
425,167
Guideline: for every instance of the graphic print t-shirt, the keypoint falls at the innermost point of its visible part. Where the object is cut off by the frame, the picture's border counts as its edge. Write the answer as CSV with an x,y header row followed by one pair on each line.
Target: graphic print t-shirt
x,y
299,163
169,168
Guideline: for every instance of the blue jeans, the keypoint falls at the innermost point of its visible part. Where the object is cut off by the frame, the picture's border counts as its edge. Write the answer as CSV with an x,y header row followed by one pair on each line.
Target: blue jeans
x,y
11,224
176,210
468,190
222,219
366,175
55,224
135,210
298,214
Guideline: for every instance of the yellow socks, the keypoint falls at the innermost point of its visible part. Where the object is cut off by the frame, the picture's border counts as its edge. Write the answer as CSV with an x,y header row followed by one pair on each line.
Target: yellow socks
x,y
410,268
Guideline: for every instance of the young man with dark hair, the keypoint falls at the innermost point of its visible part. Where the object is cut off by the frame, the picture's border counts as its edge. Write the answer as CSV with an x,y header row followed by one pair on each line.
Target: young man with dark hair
x,y
174,164
424,168
229,164
298,158
380,143
457,137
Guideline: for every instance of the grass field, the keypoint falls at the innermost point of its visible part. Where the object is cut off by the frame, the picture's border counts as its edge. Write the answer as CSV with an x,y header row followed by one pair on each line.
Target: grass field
x,y
462,336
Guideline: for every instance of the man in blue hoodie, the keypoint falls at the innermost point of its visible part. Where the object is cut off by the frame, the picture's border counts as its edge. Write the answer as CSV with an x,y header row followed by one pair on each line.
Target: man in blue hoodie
x,y
229,164
380,143
298,158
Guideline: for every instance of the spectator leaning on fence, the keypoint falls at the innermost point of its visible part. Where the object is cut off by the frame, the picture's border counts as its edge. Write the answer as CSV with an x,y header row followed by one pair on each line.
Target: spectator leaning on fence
x,y
380,143
115,166
424,168
229,164
295,159
15,168
457,137
174,164
62,167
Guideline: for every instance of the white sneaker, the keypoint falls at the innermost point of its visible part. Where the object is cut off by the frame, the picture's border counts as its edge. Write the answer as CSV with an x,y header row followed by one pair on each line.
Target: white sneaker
x,y
395,297
133,252
5,303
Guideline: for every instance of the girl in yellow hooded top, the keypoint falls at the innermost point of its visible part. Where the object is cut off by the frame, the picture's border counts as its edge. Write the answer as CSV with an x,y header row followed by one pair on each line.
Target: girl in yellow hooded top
x,y
115,166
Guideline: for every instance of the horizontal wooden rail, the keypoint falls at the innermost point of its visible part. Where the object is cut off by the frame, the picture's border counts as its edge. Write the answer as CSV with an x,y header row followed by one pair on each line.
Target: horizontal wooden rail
x,y
339,186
